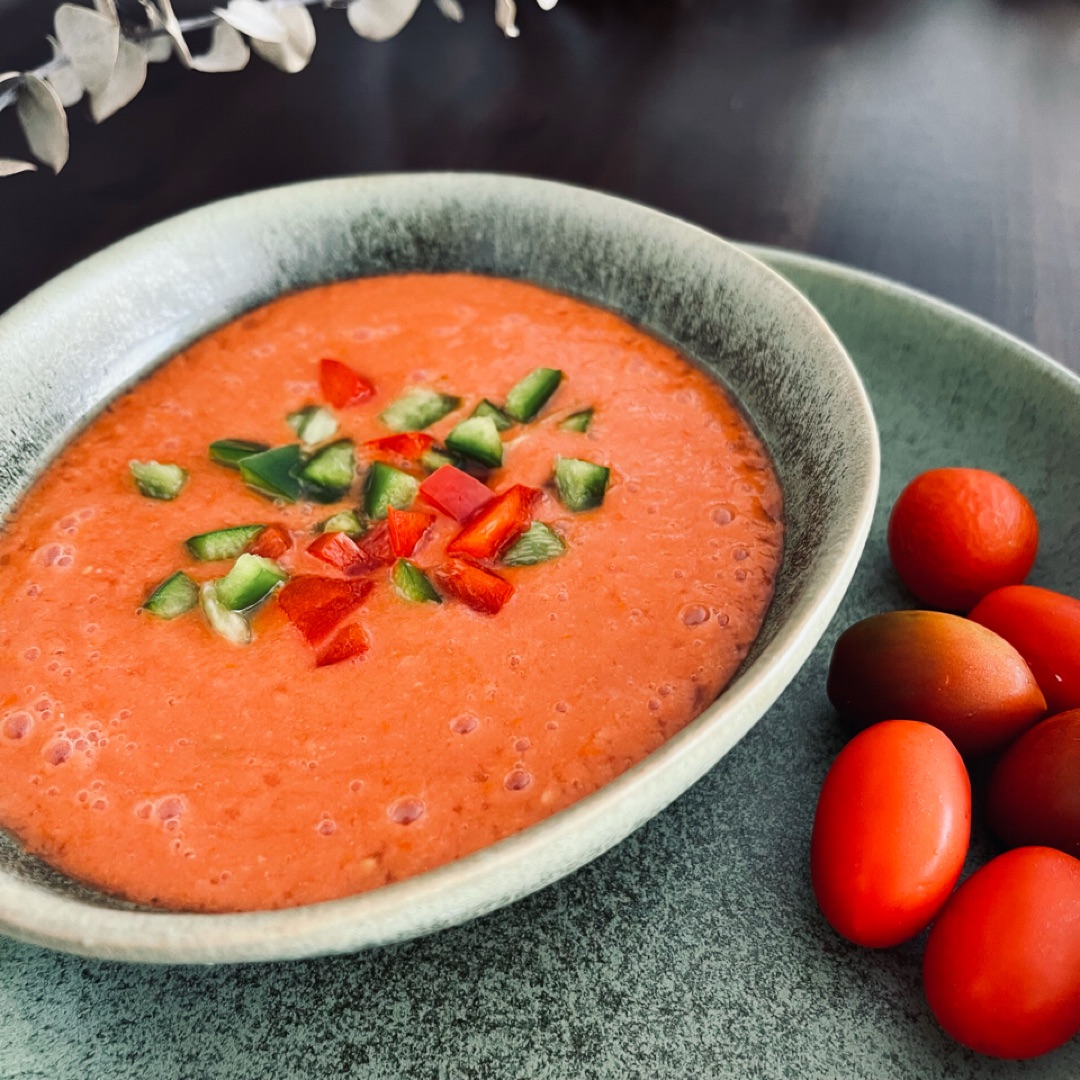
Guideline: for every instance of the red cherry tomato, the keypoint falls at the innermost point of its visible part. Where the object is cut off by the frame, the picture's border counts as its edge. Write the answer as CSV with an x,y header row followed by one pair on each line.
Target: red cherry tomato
x,y
890,833
1034,791
957,534
1044,628
1002,963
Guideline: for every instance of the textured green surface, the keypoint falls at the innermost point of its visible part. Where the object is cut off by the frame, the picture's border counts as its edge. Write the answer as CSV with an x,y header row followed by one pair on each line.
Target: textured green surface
x,y
693,949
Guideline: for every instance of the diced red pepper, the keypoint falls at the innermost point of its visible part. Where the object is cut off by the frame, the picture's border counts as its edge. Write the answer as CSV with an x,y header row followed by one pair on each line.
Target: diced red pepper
x,y
348,644
374,551
407,528
271,543
455,492
341,385
409,445
315,605
480,589
336,548
497,525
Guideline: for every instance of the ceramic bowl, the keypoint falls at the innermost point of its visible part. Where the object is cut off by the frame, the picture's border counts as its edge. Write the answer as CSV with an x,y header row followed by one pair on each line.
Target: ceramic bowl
x,y
77,342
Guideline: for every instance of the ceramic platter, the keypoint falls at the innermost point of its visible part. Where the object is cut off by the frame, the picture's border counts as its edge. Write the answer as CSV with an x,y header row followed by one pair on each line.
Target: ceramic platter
x,y
693,949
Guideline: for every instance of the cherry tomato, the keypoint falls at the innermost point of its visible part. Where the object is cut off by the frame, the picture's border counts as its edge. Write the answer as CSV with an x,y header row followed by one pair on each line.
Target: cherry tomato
x,y
957,534
1044,628
1002,963
890,833
1034,792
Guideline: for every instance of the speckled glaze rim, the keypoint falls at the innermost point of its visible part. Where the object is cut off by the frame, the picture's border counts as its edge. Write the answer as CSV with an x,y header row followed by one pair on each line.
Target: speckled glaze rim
x,y
58,320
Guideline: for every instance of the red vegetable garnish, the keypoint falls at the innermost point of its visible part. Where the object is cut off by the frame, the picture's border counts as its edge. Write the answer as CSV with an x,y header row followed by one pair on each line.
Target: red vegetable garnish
x,y
406,529
409,444
271,543
374,550
336,548
315,605
342,386
455,492
480,589
497,525
347,645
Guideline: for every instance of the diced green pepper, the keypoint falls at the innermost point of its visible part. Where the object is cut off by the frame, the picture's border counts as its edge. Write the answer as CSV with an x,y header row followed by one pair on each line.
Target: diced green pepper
x,y
491,410
578,421
538,544
158,481
250,580
230,452
330,473
386,486
273,473
418,409
222,543
530,395
413,584
477,438
313,424
173,597
580,484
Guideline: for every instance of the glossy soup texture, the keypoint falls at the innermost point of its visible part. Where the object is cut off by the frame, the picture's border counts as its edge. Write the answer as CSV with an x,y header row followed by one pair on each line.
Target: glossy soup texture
x,y
163,764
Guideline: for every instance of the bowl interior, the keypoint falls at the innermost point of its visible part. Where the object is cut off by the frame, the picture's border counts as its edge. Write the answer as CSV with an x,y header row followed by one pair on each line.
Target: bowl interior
x,y
72,346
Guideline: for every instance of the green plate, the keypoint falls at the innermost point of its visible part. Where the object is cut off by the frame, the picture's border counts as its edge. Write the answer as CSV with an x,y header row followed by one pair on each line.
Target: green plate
x,y
694,948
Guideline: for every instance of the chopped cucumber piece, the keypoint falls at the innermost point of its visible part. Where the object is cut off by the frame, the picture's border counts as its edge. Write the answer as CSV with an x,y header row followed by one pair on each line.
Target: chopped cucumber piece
x,y
386,486
330,473
434,459
477,438
231,625
313,424
413,584
230,452
250,580
531,394
580,484
222,543
346,521
174,596
490,409
157,481
273,472
539,544
417,410
578,421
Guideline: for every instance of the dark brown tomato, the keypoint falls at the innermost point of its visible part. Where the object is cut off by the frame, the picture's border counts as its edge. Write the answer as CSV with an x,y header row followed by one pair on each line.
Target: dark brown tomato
x,y
938,668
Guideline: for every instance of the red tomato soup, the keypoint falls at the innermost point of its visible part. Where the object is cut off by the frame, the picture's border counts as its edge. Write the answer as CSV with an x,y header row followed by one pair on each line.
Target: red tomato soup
x,y
346,747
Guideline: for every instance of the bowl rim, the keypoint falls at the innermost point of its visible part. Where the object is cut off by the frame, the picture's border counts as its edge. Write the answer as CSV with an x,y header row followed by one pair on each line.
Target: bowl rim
x,y
519,864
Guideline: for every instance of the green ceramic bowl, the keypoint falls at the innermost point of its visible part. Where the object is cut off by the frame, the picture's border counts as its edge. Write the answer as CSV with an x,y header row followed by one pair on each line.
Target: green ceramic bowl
x,y
77,342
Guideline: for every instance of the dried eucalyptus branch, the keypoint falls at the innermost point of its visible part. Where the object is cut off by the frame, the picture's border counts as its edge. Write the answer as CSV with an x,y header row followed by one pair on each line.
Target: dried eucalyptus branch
x,y
102,53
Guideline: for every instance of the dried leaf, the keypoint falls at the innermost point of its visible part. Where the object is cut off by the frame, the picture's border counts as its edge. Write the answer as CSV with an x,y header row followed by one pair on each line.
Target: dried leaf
x,y
127,80
293,54
255,19
546,5
11,167
451,9
107,8
228,51
158,49
64,80
505,14
378,20
43,121
171,25
91,41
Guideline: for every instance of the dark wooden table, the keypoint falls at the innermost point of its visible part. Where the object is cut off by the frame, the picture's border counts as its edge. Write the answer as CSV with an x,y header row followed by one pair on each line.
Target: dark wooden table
x,y
933,141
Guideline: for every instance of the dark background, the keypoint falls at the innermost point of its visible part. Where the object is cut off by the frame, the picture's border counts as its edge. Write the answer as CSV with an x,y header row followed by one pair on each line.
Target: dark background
x,y
933,141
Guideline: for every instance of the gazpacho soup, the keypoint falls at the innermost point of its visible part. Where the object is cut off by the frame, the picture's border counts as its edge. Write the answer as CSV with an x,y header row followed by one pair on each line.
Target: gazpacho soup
x,y
374,576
